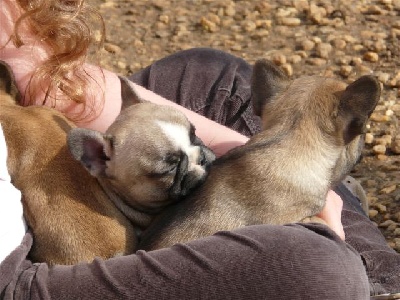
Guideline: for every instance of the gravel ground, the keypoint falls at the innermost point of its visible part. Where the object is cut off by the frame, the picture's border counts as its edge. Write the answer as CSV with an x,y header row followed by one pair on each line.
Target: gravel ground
x,y
342,39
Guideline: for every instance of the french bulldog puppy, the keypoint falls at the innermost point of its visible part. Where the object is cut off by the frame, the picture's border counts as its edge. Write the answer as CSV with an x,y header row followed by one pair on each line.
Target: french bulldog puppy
x,y
312,137
148,158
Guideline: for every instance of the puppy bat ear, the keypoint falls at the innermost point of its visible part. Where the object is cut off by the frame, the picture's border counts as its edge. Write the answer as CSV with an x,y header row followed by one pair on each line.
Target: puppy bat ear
x,y
91,148
267,81
128,94
7,81
357,102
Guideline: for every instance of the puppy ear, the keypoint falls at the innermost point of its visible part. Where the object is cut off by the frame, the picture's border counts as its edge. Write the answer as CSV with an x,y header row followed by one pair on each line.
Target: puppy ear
x,y
128,94
92,148
7,81
357,102
267,81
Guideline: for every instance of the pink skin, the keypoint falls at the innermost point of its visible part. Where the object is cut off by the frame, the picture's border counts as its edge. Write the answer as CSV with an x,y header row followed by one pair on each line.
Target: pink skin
x,y
24,60
332,213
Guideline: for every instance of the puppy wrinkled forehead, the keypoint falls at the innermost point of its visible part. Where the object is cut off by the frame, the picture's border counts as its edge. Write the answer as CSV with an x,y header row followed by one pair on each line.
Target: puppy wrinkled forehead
x,y
177,134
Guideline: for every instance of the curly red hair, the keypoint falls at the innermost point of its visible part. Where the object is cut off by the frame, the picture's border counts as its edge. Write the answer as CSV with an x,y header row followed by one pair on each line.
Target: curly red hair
x,y
65,27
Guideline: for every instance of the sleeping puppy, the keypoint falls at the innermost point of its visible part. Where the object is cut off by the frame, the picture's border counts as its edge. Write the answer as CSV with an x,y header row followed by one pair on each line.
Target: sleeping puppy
x,y
147,159
312,137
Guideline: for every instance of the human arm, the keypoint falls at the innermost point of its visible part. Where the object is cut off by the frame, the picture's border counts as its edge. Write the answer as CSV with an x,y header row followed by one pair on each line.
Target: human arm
x,y
253,262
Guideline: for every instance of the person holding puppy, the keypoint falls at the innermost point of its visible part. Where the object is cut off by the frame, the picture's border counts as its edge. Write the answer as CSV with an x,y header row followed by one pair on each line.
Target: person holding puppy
x,y
347,260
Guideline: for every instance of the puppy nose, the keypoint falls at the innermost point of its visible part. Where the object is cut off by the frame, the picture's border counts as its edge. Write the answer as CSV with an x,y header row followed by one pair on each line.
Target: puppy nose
x,y
202,157
207,156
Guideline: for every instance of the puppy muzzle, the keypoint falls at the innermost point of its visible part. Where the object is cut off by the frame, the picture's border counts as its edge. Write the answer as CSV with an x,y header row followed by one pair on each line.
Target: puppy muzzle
x,y
186,178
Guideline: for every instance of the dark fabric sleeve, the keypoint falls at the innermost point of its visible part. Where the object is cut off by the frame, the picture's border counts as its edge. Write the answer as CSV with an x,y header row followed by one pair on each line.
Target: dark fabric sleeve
x,y
13,266
210,82
256,262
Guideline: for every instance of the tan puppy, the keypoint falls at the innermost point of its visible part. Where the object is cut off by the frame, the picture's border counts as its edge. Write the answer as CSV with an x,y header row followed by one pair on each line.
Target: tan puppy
x,y
312,139
140,164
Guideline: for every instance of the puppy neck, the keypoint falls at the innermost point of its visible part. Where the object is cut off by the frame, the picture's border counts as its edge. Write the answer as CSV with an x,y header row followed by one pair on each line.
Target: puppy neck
x,y
136,216
308,162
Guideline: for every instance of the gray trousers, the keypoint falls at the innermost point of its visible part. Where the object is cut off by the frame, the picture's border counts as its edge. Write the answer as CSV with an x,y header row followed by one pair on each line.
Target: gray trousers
x,y
296,261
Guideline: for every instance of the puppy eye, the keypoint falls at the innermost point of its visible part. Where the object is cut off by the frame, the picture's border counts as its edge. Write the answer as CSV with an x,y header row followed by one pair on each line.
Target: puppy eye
x,y
171,161
172,158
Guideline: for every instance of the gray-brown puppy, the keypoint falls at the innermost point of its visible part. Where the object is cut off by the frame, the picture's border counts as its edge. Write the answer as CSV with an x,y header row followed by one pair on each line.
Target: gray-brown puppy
x,y
139,163
313,137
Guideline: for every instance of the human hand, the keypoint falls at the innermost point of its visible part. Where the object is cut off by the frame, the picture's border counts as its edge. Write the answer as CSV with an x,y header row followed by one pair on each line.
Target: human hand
x,y
332,213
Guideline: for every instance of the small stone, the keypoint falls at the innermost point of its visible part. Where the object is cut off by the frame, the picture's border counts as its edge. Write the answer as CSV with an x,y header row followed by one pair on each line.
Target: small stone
x,y
372,213
388,190
249,26
379,149
307,45
379,118
363,70
392,227
162,33
208,25
259,33
339,44
288,69
387,223
121,65
369,138
385,140
112,48
395,146
383,77
323,50
295,59
316,61
236,47
316,39
358,47
317,14
346,70
164,19
303,54
381,208
382,157
371,56
279,59
389,113
396,216
356,61
264,24
289,21
283,13
230,11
